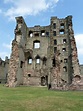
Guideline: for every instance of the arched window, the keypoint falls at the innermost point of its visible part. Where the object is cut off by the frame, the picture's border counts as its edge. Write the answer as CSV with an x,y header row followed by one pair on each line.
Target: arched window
x,y
36,44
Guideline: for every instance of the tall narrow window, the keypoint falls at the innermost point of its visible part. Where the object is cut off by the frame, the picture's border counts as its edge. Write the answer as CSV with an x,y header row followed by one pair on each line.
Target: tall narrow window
x,y
55,42
54,33
29,60
43,33
21,64
44,61
55,49
37,59
54,25
53,62
36,44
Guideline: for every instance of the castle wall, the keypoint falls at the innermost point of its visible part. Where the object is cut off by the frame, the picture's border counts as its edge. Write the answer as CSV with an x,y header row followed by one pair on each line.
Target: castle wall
x,y
4,70
44,55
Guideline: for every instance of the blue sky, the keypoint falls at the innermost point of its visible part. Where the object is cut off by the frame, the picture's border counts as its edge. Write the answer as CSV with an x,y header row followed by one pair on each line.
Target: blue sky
x,y
38,12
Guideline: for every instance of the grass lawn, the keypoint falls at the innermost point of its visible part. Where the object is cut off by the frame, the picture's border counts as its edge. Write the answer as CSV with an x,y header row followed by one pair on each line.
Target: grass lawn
x,y
39,99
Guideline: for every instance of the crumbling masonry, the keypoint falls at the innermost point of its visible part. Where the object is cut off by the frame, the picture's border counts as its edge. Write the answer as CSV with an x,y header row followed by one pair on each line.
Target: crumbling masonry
x,y
45,55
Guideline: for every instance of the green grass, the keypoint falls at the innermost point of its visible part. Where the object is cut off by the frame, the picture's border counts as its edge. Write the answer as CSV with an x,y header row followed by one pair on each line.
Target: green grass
x,y
39,99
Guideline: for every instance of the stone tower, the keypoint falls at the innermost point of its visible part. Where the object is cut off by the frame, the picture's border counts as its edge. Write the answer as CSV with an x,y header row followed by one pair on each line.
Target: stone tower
x,y
44,55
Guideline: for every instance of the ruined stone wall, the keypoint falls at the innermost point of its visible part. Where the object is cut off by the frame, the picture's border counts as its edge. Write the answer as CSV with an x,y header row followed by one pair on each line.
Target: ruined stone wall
x,y
13,65
43,55
34,69
4,70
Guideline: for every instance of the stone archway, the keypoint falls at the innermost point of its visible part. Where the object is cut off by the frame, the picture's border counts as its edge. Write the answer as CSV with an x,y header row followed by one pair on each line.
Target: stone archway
x,y
44,80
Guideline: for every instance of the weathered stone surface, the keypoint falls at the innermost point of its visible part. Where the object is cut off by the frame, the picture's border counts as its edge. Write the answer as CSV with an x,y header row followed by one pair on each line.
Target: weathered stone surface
x,y
45,55
13,65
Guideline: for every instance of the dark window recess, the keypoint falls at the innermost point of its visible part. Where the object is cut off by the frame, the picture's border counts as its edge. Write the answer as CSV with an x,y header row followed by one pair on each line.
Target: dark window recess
x,y
36,34
54,25
55,42
29,75
64,49
62,31
43,33
55,49
54,62
65,69
65,60
47,33
44,61
61,61
64,41
21,64
54,33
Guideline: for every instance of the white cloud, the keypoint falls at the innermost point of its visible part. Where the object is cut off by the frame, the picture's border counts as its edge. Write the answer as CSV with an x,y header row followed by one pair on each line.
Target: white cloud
x,y
79,42
28,7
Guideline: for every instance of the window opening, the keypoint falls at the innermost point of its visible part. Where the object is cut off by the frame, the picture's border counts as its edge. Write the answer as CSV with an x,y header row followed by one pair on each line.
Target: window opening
x,y
64,41
65,60
47,33
55,42
64,49
43,33
37,59
29,60
53,62
36,44
44,61
55,49
30,34
29,75
54,25
65,69
62,31
61,61
54,33
36,34
62,25
21,64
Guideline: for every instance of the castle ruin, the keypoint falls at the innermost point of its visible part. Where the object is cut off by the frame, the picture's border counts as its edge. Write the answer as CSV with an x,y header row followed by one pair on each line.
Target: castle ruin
x,y
45,55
